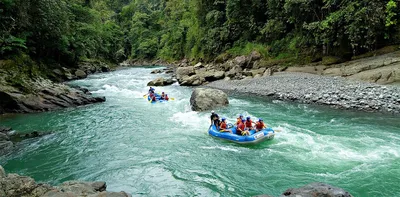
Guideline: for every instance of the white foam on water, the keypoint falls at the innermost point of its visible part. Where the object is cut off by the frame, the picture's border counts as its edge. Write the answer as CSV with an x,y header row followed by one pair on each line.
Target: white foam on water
x,y
191,119
112,90
224,148
332,149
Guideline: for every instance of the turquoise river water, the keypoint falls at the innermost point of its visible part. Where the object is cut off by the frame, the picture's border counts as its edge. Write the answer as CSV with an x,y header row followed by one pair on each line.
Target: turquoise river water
x,y
163,149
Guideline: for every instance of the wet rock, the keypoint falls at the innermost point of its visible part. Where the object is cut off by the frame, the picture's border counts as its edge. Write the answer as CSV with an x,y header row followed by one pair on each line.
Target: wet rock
x,y
205,99
14,185
160,82
80,74
157,71
316,189
44,95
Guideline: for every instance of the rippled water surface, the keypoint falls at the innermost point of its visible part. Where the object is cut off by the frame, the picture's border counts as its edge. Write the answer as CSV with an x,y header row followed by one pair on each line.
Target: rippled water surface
x,y
163,149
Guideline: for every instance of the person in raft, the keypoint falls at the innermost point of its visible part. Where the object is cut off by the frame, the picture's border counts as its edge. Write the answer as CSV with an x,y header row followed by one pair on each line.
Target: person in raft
x,y
162,96
214,119
248,124
239,119
260,125
152,96
240,129
223,127
151,90
166,97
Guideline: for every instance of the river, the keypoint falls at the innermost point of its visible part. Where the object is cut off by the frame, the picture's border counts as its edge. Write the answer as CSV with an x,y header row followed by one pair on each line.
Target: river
x,y
163,149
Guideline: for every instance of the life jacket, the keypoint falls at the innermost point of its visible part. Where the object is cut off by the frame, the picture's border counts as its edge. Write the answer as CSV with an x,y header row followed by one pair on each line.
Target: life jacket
x,y
222,125
240,126
238,120
260,125
248,123
166,98
162,96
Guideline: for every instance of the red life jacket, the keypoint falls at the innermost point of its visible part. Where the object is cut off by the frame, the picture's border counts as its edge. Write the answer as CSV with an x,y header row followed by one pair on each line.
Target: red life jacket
x,y
223,125
260,125
249,123
240,126
166,98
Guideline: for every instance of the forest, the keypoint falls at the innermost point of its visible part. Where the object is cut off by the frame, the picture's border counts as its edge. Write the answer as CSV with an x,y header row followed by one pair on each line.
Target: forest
x,y
70,31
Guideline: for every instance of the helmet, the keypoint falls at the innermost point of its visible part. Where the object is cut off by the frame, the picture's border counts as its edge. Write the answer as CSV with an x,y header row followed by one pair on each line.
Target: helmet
x,y
212,111
163,92
223,119
248,118
243,120
260,120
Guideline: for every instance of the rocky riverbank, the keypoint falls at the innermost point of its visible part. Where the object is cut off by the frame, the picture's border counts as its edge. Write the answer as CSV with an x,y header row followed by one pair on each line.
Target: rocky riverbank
x,y
308,88
35,89
14,185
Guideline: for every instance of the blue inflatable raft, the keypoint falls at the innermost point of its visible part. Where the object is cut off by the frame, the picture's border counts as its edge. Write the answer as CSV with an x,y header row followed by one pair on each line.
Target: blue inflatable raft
x,y
158,97
253,138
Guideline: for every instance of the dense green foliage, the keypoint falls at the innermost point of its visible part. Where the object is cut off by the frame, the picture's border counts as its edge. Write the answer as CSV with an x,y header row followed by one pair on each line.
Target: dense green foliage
x,y
69,31
64,31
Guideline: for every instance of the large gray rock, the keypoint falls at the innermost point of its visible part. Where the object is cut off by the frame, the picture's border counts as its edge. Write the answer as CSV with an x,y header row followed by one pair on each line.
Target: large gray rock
x,y
44,95
14,185
240,60
316,190
156,71
193,80
160,82
205,99
80,74
234,72
184,71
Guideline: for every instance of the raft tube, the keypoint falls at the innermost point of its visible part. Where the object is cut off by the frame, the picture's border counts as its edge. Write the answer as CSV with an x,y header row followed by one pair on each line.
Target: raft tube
x,y
158,97
253,138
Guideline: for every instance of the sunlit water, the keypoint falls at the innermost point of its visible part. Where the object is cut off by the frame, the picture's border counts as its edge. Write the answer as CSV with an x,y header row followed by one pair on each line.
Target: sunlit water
x,y
163,149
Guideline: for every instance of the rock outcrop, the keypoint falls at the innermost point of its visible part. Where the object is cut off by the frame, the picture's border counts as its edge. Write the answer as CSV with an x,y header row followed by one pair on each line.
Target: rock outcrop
x,y
316,189
5,141
160,82
42,95
205,99
14,185
9,137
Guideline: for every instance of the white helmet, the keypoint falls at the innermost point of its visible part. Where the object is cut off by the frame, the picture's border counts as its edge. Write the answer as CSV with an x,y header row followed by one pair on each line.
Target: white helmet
x,y
212,111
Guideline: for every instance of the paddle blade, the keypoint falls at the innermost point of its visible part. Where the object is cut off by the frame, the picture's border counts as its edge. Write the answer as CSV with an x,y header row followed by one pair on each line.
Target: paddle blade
x,y
171,99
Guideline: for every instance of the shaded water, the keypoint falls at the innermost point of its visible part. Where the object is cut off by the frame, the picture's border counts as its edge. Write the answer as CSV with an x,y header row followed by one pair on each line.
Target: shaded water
x,y
163,149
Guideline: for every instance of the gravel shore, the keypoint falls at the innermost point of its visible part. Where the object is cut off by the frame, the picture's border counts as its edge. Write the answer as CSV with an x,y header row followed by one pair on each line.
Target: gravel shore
x,y
337,92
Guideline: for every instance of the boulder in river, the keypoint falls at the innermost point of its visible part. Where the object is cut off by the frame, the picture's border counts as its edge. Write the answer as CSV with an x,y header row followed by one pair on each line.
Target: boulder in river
x,y
316,189
156,71
205,99
160,82
80,74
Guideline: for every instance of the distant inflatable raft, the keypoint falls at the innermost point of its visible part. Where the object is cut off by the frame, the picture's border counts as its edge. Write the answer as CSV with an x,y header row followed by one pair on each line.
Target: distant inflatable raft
x,y
158,99
254,138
